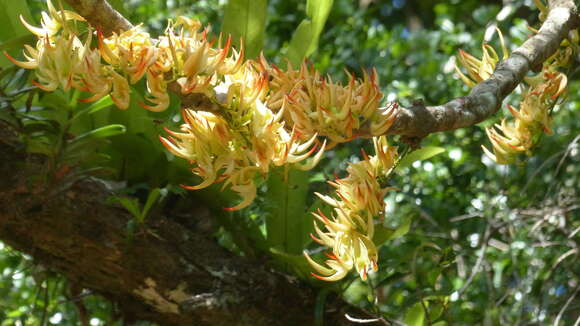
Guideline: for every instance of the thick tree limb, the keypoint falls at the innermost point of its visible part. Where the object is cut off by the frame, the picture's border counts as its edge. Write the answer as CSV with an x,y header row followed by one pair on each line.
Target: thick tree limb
x,y
176,276
486,98
169,274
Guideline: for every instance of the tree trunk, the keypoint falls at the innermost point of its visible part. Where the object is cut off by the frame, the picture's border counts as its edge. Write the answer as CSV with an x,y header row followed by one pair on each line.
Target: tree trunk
x,y
167,273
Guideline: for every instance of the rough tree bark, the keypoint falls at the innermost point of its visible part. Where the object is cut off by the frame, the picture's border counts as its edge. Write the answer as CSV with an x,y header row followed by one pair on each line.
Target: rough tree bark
x,y
168,273
174,275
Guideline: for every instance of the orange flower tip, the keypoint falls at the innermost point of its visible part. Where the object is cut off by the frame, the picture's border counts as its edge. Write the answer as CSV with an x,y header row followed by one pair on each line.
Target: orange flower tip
x,y
231,209
189,187
342,197
226,48
39,85
318,276
315,239
364,154
331,256
9,57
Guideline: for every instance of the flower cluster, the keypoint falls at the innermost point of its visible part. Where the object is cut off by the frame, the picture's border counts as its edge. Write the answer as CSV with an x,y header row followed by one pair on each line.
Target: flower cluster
x,y
318,105
480,69
187,57
266,116
509,138
243,141
350,229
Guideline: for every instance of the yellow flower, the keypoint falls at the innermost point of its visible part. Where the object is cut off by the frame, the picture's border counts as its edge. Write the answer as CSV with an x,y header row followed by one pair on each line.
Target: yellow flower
x,y
51,22
131,51
242,141
317,105
157,87
350,229
480,70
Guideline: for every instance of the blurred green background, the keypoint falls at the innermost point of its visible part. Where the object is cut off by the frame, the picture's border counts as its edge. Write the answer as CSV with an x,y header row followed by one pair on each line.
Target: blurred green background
x,y
487,244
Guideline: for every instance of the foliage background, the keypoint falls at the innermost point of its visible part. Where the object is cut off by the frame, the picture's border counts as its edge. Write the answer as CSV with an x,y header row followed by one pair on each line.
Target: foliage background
x,y
487,244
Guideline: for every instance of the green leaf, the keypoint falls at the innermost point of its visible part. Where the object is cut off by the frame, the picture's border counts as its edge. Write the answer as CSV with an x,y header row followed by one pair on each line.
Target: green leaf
x,y
415,316
151,199
246,19
12,29
104,102
118,5
384,234
305,39
419,155
298,263
287,191
16,42
85,123
402,229
131,205
103,132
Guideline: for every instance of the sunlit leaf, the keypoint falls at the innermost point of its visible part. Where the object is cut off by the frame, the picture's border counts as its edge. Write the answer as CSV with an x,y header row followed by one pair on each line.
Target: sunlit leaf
x,y
305,39
286,203
419,155
415,316
246,19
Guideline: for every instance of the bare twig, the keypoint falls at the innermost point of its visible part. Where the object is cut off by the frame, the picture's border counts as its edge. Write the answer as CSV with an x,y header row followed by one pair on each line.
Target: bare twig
x,y
478,263
557,320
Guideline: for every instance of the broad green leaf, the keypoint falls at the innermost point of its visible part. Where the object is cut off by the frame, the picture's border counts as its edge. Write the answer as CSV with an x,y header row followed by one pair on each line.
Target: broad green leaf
x,y
419,155
16,43
12,29
415,316
299,45
305,39
318,10
246,19
382,234
286,198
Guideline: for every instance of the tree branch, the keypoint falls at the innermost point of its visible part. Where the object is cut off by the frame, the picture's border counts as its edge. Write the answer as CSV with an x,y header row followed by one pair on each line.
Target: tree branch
x,y
416,121
168,274
485,99
100,13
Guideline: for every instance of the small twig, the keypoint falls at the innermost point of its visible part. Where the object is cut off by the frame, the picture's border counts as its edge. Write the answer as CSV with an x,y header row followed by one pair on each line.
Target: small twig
x,y
426,312
557,320
465,217
478,263
361,321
